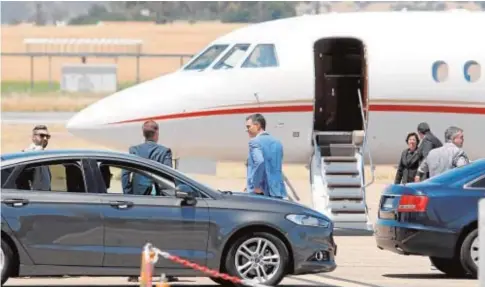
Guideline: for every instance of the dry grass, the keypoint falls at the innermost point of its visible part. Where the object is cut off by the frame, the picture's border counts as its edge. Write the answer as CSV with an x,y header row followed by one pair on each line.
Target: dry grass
x,y
176,38
48,102
16,137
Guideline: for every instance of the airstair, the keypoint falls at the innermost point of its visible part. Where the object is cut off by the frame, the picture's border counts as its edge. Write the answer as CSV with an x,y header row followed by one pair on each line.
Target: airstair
x,y
337,179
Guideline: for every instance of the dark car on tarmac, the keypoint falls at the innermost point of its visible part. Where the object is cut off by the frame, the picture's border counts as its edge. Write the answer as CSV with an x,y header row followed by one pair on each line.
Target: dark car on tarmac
x,y
83,224
437,218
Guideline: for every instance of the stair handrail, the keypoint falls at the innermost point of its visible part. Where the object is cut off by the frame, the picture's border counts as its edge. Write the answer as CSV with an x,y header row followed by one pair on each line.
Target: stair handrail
x,y
365,140
317,157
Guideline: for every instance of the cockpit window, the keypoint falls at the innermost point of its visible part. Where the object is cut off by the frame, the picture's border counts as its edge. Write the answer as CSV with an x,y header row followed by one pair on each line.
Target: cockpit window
x,y
263,55
206,58
232,57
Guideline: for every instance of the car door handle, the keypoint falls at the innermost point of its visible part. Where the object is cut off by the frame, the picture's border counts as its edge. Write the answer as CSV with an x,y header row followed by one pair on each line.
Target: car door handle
x,y
121,204
16,202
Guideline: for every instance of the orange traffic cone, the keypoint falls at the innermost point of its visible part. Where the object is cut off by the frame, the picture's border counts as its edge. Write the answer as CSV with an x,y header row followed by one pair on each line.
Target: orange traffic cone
x,y
146,270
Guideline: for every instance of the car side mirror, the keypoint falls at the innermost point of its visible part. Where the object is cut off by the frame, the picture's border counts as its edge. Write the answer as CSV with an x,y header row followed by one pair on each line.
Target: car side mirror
x,y
186,193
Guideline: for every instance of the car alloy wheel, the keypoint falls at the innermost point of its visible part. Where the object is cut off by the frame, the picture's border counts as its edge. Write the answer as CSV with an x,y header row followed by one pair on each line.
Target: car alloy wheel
x,y
257,259
474,251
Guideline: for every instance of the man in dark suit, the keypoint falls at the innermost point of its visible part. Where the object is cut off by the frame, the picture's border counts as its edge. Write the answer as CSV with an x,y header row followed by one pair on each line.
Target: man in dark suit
x,y
139,184
150,149
428,142
39,177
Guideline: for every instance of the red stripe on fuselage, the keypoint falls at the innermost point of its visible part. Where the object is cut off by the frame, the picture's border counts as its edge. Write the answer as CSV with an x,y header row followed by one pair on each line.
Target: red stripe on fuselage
x,y
224,112
309,108
428,109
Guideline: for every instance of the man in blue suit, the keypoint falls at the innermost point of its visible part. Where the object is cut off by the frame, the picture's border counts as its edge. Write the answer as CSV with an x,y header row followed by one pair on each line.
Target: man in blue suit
x,y
265,160
139,184
151,150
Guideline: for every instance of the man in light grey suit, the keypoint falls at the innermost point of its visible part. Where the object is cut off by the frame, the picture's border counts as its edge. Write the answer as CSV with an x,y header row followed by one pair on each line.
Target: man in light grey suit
x,y
449,156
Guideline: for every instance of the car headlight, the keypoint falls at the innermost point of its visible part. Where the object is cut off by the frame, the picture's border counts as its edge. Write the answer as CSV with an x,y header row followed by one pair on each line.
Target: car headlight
x,y
307,220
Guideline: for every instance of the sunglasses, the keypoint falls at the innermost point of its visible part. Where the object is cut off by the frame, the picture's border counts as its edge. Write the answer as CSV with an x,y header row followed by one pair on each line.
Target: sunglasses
x,y
44,136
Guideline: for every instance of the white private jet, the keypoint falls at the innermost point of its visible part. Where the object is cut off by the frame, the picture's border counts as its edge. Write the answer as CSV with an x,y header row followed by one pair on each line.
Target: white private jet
x,y
332,87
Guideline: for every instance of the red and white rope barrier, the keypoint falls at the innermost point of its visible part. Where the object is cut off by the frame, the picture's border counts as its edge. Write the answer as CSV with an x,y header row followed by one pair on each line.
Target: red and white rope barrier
x,y
151,255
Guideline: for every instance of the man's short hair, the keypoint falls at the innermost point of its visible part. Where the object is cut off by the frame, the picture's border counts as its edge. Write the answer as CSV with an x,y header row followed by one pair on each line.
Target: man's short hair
x,y
423,128
451,133
39,127
259,119
149,129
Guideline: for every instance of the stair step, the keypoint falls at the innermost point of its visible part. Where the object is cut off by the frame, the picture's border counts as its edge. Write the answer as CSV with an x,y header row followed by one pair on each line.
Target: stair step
x,y
345,193
343,181
349,168
333,137
351,224
349,217
346,206
339,159
338,150
356,228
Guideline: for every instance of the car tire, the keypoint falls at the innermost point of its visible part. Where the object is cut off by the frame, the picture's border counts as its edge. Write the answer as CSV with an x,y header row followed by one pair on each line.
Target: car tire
x,y
469,251
274,248
450,266
6,256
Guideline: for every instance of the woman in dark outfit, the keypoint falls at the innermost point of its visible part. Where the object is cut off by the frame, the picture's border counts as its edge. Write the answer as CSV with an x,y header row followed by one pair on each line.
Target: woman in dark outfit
x,y
410,160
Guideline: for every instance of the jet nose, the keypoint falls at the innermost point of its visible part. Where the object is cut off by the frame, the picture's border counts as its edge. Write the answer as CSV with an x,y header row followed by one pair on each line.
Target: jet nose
x,y
102,121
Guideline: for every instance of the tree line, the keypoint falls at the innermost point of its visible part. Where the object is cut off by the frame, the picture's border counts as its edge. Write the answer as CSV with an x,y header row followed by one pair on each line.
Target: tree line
x,y
165,12
88,13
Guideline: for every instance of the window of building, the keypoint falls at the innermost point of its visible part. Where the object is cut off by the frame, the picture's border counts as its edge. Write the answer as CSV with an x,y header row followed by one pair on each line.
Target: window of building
x,y
472,71
67,176
205,59
263,55
440,71
232,57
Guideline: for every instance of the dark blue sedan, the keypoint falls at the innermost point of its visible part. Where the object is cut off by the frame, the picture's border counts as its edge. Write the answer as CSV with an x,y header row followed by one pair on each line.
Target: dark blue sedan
x,y
437,218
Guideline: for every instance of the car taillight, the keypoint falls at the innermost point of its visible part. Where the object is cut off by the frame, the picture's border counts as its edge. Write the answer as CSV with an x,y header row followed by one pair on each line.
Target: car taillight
x,y
412,203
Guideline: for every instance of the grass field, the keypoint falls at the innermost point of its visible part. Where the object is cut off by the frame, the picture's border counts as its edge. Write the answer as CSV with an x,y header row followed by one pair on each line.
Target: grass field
x,y
176,38
18,96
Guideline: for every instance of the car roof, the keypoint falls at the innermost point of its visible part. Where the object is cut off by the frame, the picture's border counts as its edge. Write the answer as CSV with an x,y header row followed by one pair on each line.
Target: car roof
x,y
20,157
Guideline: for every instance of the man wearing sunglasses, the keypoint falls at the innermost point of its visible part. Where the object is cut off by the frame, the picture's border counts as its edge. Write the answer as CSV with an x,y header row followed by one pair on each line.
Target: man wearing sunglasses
x,y
40,138
39,178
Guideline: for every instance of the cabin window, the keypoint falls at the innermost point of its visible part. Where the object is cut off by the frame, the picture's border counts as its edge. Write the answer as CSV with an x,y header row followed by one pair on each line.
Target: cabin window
x,y
263,55
205,59
440,71
232,57
472,71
